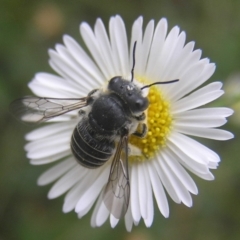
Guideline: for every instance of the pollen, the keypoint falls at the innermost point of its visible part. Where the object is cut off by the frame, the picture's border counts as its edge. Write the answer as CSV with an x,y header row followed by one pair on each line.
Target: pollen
x,y
159,121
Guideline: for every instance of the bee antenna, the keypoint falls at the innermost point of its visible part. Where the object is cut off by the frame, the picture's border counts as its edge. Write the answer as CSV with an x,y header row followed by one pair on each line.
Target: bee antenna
x,y
134,51
155,83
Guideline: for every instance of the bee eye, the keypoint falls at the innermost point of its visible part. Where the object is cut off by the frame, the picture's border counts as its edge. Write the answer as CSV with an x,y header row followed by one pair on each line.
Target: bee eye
x,y
115,82
140,105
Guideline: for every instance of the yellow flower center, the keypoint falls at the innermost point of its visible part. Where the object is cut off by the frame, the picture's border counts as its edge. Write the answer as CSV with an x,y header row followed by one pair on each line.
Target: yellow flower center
x,y
158,120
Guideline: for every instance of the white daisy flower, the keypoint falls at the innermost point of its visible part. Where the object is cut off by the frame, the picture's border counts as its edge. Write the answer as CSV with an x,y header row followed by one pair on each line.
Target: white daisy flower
x,y
158,163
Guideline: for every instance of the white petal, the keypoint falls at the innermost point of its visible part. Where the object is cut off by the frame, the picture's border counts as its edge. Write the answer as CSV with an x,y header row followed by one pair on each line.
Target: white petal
x,y
59,138
56,171
104,44
174,60
93,190
156,47
50,129
83,59
100,213
185,83
165,181
167,52
207,72
188,147
198,98
199,123
73,196
142,191
150,211
129,219
205,113
187,161
213,165
180,173
136,35
67,70
94,48
201,71
146,44
180,190
135,206
206,176
199,149
67,181
85,210
216,134
119,46
158,191
181,64
113,221
57,86
67,58
51,158
40,89
48,151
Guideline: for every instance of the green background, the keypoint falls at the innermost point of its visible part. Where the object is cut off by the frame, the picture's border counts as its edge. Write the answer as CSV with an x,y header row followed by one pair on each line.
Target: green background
x,y
28,28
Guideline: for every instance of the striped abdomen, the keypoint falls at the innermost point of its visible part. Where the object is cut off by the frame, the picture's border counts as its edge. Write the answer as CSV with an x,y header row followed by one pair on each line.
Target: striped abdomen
x,y
89,148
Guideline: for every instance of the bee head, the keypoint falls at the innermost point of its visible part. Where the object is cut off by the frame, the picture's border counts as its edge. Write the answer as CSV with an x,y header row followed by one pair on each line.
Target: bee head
x,y
129,93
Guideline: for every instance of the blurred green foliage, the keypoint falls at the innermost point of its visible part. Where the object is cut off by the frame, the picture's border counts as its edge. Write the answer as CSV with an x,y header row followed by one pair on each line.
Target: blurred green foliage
x,y
27,29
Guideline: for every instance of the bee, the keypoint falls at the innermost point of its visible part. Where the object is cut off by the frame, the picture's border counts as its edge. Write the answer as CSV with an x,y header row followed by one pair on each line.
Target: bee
x,y
107,119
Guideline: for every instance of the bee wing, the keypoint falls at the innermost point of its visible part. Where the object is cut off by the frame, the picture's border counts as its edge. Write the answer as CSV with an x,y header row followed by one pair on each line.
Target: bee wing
x,y
117,191
40,109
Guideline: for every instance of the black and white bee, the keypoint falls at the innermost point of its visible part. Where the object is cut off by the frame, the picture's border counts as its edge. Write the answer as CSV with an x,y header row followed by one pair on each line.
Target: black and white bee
x,y
107,119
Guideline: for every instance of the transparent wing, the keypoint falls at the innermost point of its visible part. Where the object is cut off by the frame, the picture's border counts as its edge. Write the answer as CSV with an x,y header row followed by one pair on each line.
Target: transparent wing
x,y
37,109
117,191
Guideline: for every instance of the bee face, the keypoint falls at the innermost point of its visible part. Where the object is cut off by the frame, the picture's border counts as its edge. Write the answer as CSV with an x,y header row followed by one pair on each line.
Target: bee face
x,y
130,93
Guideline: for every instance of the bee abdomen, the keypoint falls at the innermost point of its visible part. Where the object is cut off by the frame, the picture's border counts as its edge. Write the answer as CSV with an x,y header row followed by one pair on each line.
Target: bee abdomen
x,y
89,150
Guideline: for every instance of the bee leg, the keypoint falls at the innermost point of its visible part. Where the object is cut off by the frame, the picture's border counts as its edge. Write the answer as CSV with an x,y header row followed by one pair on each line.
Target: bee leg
x,y
124,131
143,131
90,97
92,92
141,117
